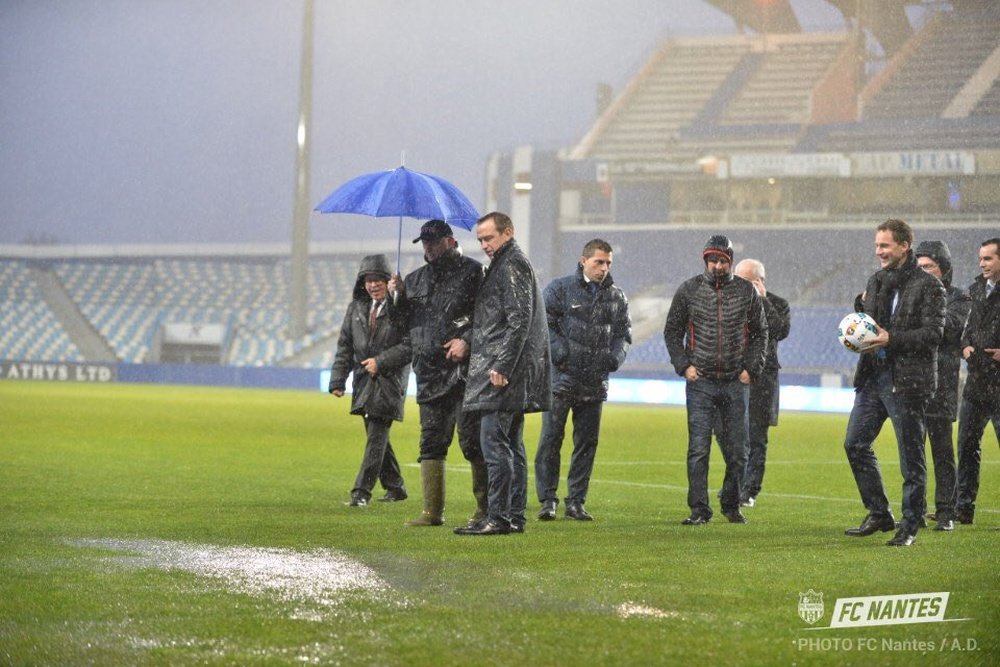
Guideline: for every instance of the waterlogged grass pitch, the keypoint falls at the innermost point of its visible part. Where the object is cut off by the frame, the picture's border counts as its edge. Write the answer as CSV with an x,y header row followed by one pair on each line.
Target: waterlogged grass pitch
x,y
178,525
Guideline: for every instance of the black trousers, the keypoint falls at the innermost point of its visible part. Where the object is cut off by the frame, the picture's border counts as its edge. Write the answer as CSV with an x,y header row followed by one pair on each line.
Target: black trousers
x,y
379,462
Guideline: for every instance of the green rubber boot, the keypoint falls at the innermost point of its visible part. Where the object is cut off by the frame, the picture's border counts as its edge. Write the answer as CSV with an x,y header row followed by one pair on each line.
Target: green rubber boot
x,y
480,489
432,479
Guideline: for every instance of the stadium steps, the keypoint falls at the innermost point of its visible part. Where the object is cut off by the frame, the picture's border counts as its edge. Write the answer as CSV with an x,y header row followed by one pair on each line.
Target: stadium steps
x,y
87,340
306,356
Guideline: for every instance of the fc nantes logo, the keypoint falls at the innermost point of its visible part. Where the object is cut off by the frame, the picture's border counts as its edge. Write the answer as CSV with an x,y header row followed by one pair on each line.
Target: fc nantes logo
x,y
810,606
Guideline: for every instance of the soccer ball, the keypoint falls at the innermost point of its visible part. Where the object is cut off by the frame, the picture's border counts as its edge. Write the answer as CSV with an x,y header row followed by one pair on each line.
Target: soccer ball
x,y
855,329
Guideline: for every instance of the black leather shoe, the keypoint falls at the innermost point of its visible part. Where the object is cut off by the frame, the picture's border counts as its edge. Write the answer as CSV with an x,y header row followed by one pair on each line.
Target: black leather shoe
x,y
964,517
903,538
872,525
548,511
488,527
357,500
695,520
393,495
576,511
945,524
735,516
516,526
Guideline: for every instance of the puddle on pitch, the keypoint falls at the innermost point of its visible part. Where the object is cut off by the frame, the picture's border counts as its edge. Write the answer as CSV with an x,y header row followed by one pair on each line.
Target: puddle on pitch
x,y
311,583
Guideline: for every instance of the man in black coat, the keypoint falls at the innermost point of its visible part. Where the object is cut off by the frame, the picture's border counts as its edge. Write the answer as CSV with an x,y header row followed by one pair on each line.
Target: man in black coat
x,y
764,392
589,332
508,371
716,335
435,304
981,397
378,353
934,257
895,377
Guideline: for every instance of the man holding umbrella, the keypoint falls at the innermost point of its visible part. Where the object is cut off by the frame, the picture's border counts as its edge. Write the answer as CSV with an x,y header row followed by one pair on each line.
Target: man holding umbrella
x,y
508,371
435,304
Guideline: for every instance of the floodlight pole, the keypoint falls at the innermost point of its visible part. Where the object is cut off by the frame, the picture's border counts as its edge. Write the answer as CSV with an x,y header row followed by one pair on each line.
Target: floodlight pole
x,y
299,296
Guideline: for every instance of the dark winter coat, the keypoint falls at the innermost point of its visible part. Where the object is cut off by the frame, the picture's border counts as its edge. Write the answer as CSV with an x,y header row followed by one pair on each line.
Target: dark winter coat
x,y
915,330
383,394
982,331
779,324
717,326
436,305
510,336
589,334
945,401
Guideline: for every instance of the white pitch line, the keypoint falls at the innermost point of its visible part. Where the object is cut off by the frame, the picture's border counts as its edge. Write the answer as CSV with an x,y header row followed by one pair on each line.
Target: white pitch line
x,y
674,487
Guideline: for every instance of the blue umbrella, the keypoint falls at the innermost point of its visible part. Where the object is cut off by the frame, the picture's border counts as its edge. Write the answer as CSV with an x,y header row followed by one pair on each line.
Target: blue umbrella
x,y
399,193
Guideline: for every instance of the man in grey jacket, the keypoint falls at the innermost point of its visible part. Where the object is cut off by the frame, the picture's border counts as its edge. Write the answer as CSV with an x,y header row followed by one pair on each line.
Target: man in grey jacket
x,y
508,371
589,332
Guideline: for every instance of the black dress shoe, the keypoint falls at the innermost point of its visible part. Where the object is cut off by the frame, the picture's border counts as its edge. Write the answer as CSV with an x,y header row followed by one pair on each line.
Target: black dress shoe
x,y
735,516
964,517
393,495
945,524
576,511
357,501
695,520
903,538
548,511
517,526
872,525
488,527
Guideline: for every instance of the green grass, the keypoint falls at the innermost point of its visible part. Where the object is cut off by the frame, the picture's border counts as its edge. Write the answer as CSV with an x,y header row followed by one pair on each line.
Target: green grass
x,y
223,468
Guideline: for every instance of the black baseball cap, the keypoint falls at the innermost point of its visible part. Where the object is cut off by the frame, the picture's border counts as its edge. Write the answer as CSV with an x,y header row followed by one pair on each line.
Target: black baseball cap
x,y
432,230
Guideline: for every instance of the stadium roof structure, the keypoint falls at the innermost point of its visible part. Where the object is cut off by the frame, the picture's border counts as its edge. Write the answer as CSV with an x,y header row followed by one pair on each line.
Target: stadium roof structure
x,y
885,19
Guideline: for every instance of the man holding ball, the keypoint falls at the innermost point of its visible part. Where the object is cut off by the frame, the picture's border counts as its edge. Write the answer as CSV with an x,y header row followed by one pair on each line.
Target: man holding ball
x,y
895,377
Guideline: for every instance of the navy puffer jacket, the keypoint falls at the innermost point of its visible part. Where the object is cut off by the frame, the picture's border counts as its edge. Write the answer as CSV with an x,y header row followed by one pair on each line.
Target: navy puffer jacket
x,y
590,335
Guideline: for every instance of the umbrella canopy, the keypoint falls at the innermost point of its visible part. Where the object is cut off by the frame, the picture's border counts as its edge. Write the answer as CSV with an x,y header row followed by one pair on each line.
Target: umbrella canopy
x,y
400,193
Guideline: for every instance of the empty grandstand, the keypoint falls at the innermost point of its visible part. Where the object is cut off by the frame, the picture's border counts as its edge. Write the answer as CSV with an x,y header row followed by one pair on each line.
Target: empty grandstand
x,y
794,144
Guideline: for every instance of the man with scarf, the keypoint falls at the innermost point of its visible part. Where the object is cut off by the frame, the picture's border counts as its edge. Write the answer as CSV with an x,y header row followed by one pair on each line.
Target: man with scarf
x,y
896,376
934,257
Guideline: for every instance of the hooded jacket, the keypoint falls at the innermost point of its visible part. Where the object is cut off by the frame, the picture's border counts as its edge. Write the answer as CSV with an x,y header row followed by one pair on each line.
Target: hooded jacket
x,y
436,305
589,334
982,331
510,336
718,326
916,327
958,304
383,394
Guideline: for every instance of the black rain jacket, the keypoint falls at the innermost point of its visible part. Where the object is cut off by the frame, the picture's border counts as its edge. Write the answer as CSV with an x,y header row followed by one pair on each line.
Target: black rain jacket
x,y
510,336
982,331
436,305
383,394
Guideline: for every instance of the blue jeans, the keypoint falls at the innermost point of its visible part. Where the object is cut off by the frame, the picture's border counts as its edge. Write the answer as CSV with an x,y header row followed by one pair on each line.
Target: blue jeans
x,y
706,399
972,419
586,427
873,404
501,436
